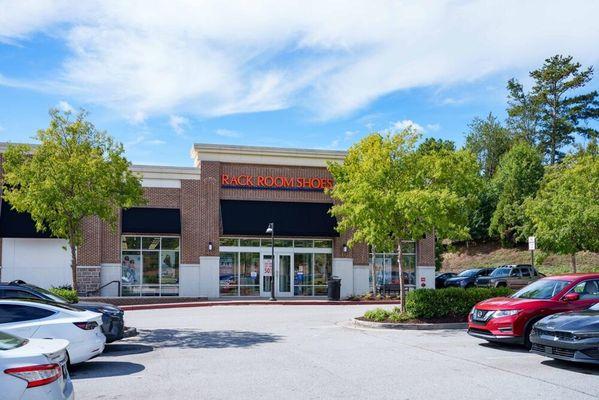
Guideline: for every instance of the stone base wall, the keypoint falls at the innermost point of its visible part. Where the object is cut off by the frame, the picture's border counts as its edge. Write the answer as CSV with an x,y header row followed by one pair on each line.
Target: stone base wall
x,y
88,279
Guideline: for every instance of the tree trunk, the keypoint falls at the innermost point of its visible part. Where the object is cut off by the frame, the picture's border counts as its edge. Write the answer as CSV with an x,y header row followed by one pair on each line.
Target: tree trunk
x,y
402,292
573,262
74,265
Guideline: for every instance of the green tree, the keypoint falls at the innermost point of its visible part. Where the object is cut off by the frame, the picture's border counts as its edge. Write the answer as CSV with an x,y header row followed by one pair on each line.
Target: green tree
x,y
517,179
523,112
565,211
488,140
432,145
76,172
480,218
387,192
555,106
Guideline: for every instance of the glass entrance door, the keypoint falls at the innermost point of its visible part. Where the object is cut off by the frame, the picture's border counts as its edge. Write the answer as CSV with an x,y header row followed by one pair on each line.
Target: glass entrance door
x,y
283,268
283,274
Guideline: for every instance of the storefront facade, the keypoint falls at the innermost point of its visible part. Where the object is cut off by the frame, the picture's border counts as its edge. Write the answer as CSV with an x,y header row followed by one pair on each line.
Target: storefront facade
x,y
202,233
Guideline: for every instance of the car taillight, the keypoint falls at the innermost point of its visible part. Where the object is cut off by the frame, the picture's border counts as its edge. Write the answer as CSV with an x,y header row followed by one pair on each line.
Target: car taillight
x,y
36,375
87,326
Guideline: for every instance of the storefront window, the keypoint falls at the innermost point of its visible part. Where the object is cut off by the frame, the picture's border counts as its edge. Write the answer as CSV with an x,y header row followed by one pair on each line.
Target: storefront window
x,y
305,266
249,274
249,242
303,243
303,274
323,244
229,274
323,269
386,268
229,242
150,266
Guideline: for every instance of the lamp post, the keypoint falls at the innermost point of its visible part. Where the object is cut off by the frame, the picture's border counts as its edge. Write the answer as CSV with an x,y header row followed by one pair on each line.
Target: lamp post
x,y
271,230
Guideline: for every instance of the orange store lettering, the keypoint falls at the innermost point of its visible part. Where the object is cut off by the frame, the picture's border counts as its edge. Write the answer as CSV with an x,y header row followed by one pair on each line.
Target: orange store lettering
x,y
275,182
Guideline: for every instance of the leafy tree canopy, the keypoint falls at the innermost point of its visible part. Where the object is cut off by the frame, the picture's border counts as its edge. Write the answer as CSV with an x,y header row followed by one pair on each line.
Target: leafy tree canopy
x,y
517,179
488,140
388,191
433,145
555,109
74,173
565,211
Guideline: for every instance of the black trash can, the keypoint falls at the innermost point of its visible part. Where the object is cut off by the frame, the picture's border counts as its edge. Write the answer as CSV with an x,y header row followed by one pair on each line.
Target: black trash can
x,y
334,288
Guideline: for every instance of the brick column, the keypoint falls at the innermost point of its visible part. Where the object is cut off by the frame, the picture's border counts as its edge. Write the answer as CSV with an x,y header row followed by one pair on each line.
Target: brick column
x,y
209,208
191,221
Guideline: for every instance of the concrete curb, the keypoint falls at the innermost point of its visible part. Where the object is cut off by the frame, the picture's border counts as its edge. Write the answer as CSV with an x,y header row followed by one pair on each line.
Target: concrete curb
x,y
256,303
408,326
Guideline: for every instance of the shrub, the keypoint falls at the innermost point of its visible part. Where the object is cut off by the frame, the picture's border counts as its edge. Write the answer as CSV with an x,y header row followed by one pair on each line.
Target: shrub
x,y
448,303
378,315
68,294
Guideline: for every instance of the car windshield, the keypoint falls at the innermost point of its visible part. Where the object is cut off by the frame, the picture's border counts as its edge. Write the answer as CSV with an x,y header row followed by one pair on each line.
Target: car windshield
x,y
541,289
9,342
469,272
500,272
50,295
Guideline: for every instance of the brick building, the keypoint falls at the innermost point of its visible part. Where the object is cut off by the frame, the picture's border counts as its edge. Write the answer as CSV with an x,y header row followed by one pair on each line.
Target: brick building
x,y
202,233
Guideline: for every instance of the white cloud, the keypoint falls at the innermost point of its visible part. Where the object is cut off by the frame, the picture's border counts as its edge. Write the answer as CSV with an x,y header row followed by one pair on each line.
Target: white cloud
x,y
432,127
333,57
65,106
406,123
228,133
178,123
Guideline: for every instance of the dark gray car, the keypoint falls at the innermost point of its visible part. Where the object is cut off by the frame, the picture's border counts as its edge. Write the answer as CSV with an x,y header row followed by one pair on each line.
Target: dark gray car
x,y
113,324
571,336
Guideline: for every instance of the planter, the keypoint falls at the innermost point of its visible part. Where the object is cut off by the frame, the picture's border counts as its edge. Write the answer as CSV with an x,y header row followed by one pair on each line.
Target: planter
x,y
408,325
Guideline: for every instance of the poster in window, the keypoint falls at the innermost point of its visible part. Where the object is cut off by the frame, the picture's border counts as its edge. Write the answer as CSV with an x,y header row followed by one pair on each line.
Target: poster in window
x,y
131,267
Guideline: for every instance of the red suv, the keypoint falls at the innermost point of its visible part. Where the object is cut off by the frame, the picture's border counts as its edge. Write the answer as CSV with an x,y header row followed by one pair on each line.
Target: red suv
x,y
510,319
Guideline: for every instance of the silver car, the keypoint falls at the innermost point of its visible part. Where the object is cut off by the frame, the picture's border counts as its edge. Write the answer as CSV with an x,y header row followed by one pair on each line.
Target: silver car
x,y
34,369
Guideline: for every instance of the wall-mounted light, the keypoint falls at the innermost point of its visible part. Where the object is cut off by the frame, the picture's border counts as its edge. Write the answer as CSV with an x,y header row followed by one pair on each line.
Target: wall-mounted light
x,y
209,246
344,248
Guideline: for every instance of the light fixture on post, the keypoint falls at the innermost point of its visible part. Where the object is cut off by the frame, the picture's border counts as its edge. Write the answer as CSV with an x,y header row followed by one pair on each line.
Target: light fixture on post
x,y
344,248
209,246
271,229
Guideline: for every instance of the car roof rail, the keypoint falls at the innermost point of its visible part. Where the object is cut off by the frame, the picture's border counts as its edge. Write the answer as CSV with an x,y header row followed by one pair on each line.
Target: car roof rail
x,y
17,282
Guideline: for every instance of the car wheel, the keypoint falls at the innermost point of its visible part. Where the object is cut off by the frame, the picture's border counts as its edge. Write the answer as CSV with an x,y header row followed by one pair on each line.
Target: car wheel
x,y
528,330
501,284
469,286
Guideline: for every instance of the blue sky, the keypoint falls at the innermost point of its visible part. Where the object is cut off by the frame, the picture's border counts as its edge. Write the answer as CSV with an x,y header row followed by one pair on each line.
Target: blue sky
x,y
291,74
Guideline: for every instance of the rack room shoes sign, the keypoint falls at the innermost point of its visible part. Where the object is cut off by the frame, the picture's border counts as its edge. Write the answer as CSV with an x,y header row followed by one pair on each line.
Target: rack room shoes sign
x,y
271,182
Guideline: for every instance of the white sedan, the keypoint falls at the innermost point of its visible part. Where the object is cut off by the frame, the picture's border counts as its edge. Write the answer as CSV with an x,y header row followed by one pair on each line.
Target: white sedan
x,y
34,318
34,369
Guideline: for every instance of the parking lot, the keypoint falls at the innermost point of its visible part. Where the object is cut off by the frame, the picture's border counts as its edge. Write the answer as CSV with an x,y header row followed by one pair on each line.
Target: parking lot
x,y
306,352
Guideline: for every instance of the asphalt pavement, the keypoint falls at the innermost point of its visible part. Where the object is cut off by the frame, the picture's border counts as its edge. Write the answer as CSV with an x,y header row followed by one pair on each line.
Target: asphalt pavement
x,y
308,352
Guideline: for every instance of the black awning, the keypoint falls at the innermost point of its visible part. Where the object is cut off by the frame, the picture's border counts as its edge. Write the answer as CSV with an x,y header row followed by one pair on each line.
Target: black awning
x,y
290,218
151,220
14,224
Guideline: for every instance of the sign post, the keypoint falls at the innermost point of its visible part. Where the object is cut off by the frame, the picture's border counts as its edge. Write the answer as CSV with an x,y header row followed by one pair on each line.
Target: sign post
x,y
532,246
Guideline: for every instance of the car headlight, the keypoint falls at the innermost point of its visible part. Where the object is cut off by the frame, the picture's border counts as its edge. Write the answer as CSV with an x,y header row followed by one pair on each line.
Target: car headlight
x,y
504,313
111,311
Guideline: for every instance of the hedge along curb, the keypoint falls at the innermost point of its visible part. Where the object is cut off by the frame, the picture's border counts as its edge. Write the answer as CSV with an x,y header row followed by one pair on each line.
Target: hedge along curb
x,y
409,326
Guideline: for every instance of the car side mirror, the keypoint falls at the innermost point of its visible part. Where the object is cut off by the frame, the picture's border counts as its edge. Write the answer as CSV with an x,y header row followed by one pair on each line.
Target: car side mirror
x,y
571,297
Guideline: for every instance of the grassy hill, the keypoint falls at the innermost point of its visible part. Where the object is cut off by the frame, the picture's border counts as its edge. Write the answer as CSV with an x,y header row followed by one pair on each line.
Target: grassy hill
x,y
491,254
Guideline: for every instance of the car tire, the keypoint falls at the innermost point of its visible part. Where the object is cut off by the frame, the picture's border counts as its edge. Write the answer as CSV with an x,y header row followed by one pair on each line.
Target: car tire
x,y
469,286
501,284
527,330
